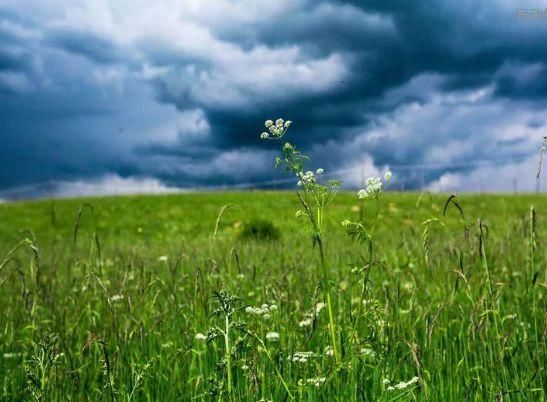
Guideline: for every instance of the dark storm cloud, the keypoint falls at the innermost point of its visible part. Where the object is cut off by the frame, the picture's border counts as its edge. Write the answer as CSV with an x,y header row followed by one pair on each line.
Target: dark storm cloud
x,y
393,82
404,40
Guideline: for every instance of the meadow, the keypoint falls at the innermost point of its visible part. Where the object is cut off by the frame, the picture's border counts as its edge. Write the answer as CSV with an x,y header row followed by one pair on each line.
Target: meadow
x,y
178,297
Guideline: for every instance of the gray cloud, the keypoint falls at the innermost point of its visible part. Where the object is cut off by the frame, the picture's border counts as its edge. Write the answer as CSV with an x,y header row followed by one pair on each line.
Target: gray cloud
x,y
179,92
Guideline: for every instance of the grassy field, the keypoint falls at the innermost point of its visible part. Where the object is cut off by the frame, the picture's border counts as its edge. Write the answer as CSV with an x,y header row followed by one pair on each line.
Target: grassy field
x,y
144,302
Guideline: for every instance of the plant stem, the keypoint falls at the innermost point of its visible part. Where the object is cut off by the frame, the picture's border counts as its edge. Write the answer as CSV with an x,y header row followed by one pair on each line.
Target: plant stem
x,y
332,327
228,355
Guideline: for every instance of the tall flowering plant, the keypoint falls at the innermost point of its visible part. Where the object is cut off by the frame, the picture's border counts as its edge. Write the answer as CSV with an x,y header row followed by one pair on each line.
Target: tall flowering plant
x,y
314,195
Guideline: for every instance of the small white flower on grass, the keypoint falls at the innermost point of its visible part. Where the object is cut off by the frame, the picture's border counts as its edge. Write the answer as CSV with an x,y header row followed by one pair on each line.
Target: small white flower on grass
x,y
300,357
386,381
116,298
305,323
329,351
319,306
200,337
163,258
403,385
306,178
272,336
279,122
264,135
317,381
367,352
388,175
372,189
263,311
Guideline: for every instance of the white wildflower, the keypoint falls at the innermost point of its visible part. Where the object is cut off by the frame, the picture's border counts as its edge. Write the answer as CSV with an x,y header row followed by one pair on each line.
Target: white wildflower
x,y
262,311
279,122
116,298
403,385
329,351
385,381
264,135
367,352
163,258
320,171
200,337
306,178
288,123
272,336
318,381
388,175
305,323
300,357
268,123
372,189
319,306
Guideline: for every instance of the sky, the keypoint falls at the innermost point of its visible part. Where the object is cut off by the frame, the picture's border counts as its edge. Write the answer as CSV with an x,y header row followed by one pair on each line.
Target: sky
x,y
128,95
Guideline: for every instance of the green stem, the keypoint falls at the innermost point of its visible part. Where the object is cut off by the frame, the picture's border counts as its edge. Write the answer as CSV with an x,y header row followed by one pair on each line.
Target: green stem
x,y
228,355
279,375
332,327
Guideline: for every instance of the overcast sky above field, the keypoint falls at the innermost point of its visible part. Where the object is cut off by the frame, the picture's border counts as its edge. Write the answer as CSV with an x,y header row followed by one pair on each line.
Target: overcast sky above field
x,y
174,92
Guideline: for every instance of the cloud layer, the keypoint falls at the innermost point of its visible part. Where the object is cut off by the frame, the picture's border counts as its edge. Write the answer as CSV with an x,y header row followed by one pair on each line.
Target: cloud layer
x,y
442,92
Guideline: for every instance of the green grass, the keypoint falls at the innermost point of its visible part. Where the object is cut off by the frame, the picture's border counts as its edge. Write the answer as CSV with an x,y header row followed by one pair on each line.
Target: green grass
x,y
106,318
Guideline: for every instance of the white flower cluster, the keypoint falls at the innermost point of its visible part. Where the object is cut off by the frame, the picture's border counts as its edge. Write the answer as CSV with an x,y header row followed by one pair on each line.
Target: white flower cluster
x,y
272,336
308,177
329,351
317,381
200,337
308,320
11,355
373,186
116,298
276,130
367,352
300,357
305,322
402,385
263,311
